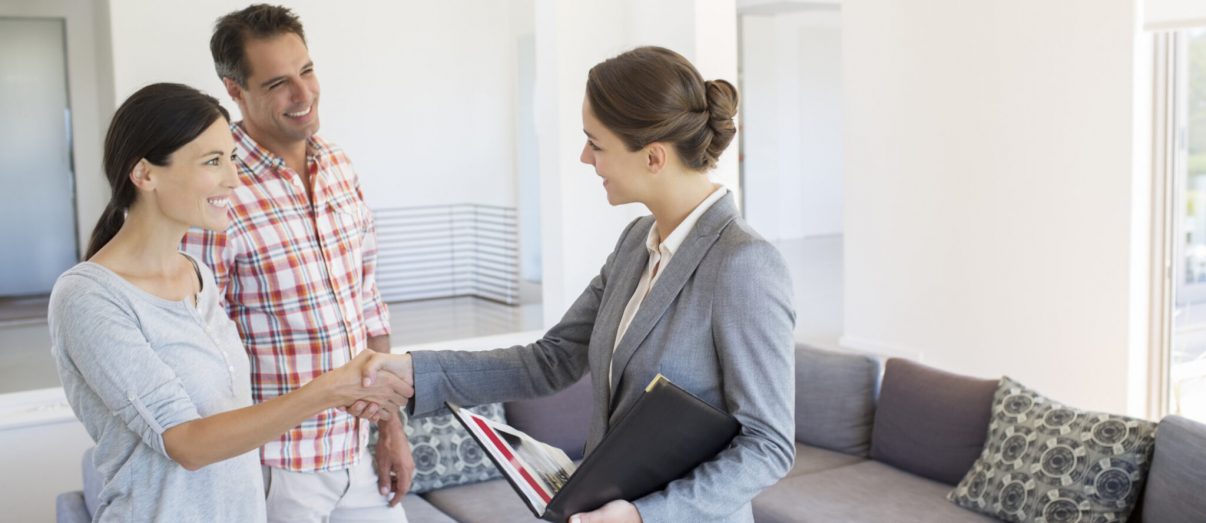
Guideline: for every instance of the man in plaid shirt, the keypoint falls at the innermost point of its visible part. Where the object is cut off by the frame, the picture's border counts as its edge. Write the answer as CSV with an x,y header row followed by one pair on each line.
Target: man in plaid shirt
x,y
297,268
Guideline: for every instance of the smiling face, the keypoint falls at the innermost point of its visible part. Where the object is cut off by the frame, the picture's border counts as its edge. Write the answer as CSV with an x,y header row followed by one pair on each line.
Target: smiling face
x,y
194,188
280,101
623,171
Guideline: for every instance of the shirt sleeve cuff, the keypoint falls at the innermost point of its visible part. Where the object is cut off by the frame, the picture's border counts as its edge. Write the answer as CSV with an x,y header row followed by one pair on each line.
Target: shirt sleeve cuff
x,y
157,410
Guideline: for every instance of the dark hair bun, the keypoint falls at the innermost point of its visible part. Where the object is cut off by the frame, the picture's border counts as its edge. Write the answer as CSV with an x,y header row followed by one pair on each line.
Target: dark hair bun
x,y
722,107
653,94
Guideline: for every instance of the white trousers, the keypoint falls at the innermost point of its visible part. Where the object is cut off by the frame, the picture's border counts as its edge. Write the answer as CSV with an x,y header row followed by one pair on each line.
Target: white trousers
x,y
339,496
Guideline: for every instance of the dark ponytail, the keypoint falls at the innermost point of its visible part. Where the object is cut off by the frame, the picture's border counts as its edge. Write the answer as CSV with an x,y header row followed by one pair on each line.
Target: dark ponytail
x,y
151,124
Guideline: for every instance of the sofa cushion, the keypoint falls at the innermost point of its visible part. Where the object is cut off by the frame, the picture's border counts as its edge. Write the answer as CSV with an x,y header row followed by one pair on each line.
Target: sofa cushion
x,y
1047,462
560,420
444,453
835,399
1178,473
866,492
930,422
810,459
486,502
418,510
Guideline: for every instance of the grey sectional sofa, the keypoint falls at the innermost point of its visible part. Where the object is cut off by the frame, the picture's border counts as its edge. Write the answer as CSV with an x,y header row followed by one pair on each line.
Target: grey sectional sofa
x,y
867,450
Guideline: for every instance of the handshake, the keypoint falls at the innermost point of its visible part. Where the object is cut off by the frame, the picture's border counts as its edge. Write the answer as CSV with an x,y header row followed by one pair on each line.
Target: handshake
x,y
372,386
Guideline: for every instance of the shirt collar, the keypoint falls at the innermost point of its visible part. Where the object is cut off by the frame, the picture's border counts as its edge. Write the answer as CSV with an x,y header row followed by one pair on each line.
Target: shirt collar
x,y
676,237
260,160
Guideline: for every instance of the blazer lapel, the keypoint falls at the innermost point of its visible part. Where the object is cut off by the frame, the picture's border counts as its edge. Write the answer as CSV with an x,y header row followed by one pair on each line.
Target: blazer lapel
x,y
668,285
621,283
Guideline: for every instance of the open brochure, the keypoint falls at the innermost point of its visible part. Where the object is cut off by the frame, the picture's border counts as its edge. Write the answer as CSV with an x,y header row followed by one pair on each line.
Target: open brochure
x,y
666,434
536,470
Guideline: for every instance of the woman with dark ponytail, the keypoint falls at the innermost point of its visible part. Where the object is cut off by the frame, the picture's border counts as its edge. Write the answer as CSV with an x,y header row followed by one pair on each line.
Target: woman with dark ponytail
x,y
149,360
691,292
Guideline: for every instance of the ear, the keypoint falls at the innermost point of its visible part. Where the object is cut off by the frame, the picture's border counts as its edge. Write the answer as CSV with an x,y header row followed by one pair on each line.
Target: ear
x,y
656,157
233,89
141,176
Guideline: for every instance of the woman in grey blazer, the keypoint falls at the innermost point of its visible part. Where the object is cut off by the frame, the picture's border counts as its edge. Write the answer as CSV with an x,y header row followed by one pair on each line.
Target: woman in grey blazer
x,y
691,292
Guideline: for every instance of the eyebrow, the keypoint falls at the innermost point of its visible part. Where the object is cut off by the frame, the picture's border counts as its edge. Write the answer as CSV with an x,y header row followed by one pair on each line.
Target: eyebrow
x,y
275,79
588,135
215,151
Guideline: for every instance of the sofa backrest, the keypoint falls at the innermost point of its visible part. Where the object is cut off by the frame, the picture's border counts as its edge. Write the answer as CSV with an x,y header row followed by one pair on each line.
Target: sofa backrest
x,y
835,399
561,420
931,422
1178,474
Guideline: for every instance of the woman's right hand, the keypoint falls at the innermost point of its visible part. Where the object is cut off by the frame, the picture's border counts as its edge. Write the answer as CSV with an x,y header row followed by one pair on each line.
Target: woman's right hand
x,y
385,392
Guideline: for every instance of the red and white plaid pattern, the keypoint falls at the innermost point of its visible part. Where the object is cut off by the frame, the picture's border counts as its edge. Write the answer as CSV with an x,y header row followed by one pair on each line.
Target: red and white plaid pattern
x,y
299,283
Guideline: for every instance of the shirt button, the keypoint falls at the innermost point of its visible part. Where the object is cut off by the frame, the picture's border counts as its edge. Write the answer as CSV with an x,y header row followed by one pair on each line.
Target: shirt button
x,y
231,368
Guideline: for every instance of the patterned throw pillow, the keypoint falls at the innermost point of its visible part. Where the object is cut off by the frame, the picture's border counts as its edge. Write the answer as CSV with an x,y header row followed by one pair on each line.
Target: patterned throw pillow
x,y
1047,462
445,455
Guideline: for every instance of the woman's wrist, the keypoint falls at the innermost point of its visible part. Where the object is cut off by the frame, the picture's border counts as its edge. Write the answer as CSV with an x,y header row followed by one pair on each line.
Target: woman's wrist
x,y
325,391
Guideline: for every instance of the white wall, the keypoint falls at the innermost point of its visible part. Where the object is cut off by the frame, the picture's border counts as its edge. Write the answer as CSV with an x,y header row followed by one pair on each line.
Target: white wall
x,y
41,444
1173,14
420,94
991,190
792,123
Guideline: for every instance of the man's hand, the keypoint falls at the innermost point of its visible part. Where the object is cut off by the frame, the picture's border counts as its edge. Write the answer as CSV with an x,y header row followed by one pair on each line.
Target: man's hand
x,y
618,511
395,465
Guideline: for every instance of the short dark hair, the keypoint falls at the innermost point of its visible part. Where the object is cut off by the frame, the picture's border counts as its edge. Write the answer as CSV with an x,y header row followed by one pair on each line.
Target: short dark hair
x,y
232,31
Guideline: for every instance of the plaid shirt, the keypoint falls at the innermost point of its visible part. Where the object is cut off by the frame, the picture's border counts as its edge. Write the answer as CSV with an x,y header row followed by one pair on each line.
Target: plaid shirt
x,y
299,282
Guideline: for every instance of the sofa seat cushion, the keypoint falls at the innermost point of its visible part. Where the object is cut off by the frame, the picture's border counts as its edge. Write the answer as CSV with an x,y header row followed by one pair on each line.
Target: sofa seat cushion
x,y
487,502
866,492
930,422
1178,474
835,399
810,459
418,510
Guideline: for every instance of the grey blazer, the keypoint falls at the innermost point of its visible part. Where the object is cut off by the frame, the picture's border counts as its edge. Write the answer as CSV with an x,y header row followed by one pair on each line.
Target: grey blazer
x,y
718,323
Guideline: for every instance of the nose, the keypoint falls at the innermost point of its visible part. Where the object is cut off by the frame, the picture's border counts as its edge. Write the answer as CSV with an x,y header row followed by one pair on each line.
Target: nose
x,y
231,179
588,156
300,93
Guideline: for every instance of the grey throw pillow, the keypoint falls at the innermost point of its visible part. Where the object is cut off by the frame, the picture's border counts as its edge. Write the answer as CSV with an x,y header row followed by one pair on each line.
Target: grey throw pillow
x,y
445,454
1044,461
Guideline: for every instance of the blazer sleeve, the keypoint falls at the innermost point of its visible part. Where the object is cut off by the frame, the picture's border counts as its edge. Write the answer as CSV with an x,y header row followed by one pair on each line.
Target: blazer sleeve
x,y
752,323
554,362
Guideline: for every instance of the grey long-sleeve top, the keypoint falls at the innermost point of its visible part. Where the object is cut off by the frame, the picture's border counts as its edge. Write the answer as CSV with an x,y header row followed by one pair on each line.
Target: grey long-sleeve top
x,y
134,365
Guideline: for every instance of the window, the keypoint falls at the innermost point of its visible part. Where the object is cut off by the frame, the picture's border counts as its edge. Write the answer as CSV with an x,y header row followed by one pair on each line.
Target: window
x,y
1186,373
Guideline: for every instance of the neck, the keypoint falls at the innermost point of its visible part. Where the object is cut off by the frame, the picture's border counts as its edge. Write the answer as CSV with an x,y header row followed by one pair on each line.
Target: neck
x,y
293,152
146,245
677,199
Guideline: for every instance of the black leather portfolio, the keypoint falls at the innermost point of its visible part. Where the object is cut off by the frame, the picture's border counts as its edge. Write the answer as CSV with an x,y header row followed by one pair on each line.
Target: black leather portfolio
x,y
667,433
